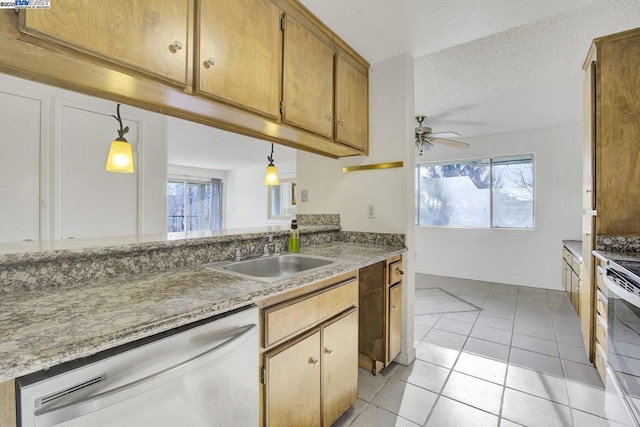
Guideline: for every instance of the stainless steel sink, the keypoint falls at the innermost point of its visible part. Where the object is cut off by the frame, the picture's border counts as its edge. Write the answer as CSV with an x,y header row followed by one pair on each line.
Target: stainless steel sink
x,y
272,268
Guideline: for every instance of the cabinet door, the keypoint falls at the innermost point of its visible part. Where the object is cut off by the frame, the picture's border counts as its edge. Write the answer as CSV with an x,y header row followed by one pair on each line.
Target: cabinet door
x,y
587,294
352,105
240,53
339,366
292,393
308,80
151,36
395,322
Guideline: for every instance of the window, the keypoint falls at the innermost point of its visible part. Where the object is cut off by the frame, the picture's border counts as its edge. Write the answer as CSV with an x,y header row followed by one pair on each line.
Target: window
x,y
190,205
493,192
282,199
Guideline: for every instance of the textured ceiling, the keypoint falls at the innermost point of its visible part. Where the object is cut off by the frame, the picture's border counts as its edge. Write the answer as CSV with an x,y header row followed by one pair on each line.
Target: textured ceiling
x,y
382,29
484,66
196,145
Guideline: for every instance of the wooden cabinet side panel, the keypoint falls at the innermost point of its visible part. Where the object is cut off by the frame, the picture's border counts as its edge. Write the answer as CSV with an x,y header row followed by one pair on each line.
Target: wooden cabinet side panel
x,y
136,33
292,393
618,133
352,105
372,302
307,80
339,366
244,40
8,404
395,321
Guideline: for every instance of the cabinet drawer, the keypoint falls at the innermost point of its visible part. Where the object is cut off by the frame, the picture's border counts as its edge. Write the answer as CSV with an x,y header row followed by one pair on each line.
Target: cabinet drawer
x,y
601,362
395,272
601,332
602,304
289,318
575,265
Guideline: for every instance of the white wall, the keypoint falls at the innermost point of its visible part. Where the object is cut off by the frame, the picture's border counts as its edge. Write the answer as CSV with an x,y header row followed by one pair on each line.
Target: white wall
x,y
522,257
247,197
391,98
73,194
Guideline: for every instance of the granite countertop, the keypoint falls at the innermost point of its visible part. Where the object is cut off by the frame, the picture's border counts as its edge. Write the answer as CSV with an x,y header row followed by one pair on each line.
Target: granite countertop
x,y
43,328
609,255
575,247
51,250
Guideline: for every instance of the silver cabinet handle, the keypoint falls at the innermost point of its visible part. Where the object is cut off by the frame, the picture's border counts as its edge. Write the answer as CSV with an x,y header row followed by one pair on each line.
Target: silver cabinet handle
x,y
314,362
175,47
209,63
101,400
329,352
330,117
342,122
395,307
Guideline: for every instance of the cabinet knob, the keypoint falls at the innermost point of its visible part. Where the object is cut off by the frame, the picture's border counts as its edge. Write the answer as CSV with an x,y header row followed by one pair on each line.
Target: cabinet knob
x,y
587,234
330,117
587,191
400,272
314,362
342,122
395,307
329,352
175,46
209,63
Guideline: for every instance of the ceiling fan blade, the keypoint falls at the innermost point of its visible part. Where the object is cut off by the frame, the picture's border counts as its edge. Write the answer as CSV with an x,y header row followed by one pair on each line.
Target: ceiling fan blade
x,y
451,143
444,135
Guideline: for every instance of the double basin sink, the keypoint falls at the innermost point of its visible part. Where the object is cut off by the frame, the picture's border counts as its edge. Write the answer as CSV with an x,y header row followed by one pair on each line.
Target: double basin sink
x,y
272,268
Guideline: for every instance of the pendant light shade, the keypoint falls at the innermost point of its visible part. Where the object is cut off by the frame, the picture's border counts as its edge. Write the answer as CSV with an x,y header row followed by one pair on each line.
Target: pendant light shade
x,y
271,173
120,158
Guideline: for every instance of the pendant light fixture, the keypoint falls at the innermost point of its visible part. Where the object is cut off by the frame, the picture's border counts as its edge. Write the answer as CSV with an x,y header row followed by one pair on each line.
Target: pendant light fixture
x,y
120,159
271,174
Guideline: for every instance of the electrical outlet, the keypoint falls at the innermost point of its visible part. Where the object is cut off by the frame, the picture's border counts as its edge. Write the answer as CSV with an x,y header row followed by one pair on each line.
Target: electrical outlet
x,y
371,211
304,195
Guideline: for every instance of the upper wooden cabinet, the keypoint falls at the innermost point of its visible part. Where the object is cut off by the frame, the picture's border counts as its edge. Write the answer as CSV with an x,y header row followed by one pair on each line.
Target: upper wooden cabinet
x,y
151,36
240,53
232,64
352,105
307,80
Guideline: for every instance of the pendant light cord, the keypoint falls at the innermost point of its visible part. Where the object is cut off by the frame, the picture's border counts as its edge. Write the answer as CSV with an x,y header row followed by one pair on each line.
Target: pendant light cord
x,y
270,158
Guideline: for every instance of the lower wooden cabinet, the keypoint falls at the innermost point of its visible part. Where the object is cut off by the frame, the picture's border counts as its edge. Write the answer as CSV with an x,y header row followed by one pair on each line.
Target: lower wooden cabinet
x,y
292,384
395,321
339,366
310,355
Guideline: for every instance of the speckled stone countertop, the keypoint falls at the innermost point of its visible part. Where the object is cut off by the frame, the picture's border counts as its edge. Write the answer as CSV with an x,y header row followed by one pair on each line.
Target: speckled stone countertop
x,y
47,327
575,247
53,249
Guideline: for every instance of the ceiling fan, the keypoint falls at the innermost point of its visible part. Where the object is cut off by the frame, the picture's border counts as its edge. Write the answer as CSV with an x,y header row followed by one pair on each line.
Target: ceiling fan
x,y
425,138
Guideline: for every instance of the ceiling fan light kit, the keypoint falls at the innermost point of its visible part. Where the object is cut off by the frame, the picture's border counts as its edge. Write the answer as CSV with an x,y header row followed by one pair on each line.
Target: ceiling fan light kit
x,y
425,138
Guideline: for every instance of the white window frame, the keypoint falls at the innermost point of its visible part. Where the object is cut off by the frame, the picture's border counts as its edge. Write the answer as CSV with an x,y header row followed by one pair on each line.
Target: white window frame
x,y
186,182
490,160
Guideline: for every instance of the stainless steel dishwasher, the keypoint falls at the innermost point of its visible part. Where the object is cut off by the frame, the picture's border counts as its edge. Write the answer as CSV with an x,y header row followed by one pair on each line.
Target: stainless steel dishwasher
x,y
204,375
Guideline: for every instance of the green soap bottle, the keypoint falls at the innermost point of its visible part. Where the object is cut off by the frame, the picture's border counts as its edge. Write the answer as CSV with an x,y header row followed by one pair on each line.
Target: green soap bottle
x,y
294,238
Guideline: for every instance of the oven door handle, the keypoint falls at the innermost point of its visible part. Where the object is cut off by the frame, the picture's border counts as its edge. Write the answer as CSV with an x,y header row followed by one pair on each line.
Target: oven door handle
x,y
620,291
53,416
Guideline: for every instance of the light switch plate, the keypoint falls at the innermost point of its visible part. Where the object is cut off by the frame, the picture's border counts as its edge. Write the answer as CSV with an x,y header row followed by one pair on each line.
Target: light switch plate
x,y
371,212
304,195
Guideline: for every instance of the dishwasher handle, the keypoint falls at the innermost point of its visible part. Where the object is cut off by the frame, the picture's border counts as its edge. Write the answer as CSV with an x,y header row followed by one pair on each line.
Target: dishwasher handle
x,y
53,416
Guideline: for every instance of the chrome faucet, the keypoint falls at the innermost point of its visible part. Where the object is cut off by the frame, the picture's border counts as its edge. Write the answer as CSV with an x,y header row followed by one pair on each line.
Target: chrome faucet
x,y
265,250
276,249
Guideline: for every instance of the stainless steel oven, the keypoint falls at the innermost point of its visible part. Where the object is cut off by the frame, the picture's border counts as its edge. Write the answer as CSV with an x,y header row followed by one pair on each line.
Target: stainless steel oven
x,y
623,342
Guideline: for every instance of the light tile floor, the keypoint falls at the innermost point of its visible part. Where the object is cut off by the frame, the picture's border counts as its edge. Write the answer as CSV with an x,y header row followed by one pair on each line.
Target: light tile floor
x,y
487,355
